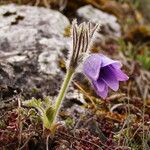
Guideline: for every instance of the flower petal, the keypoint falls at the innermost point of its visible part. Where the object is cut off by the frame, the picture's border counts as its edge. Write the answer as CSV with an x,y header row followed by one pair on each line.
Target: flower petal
x,y
91,66
107,61
100,85
108,76
121,76
103,93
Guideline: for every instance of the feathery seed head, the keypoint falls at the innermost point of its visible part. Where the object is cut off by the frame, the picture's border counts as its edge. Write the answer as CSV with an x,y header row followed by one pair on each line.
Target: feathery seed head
x,y
82,39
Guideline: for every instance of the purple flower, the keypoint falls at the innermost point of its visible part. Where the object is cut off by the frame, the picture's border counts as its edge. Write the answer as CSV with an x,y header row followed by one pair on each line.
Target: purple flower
x,y
103,73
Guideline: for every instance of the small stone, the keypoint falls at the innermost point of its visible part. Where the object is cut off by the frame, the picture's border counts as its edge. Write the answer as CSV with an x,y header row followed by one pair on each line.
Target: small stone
x,y
109,23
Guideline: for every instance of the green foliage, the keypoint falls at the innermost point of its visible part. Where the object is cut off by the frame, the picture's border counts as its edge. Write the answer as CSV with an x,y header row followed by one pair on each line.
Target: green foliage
x,y
69,122
145,59
45,110
127,48
34,116
2,124
140,53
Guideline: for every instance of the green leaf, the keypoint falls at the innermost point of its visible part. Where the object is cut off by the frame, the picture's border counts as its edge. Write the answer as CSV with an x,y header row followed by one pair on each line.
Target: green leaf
x,y
50,113
36,103
69,122
47,118
47,102
145,59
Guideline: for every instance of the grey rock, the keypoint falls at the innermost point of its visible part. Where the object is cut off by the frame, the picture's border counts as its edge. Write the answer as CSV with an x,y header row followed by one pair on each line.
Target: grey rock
x,y
30,50
110,27
48,60
31,43
24,27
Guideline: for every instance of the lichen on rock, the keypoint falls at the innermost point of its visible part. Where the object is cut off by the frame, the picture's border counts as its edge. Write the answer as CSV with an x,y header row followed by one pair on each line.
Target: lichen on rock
x,y
27,36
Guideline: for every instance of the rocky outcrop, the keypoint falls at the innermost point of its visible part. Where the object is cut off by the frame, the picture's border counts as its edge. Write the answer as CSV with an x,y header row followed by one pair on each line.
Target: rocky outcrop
x,y
31,41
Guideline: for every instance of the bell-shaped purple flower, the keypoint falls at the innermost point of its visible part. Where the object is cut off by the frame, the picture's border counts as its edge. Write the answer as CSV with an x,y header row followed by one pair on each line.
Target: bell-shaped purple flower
x,y
103,73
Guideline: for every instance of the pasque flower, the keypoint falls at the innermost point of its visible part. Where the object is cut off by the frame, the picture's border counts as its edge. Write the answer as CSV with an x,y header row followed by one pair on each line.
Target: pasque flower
x,y
82,39
103,73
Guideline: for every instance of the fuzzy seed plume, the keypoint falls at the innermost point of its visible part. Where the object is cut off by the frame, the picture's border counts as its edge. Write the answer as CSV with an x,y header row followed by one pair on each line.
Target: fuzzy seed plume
x,y
83,36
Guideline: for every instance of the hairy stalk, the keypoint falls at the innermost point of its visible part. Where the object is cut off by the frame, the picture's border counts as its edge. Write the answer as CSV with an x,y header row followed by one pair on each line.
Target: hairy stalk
x,y
62,93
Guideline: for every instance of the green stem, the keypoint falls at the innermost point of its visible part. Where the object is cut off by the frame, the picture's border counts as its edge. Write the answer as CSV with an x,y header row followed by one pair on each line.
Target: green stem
x,y
62,93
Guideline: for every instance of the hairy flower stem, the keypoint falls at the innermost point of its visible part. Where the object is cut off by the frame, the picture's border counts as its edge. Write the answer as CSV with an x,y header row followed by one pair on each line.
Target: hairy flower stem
x,y
82,37
62,92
